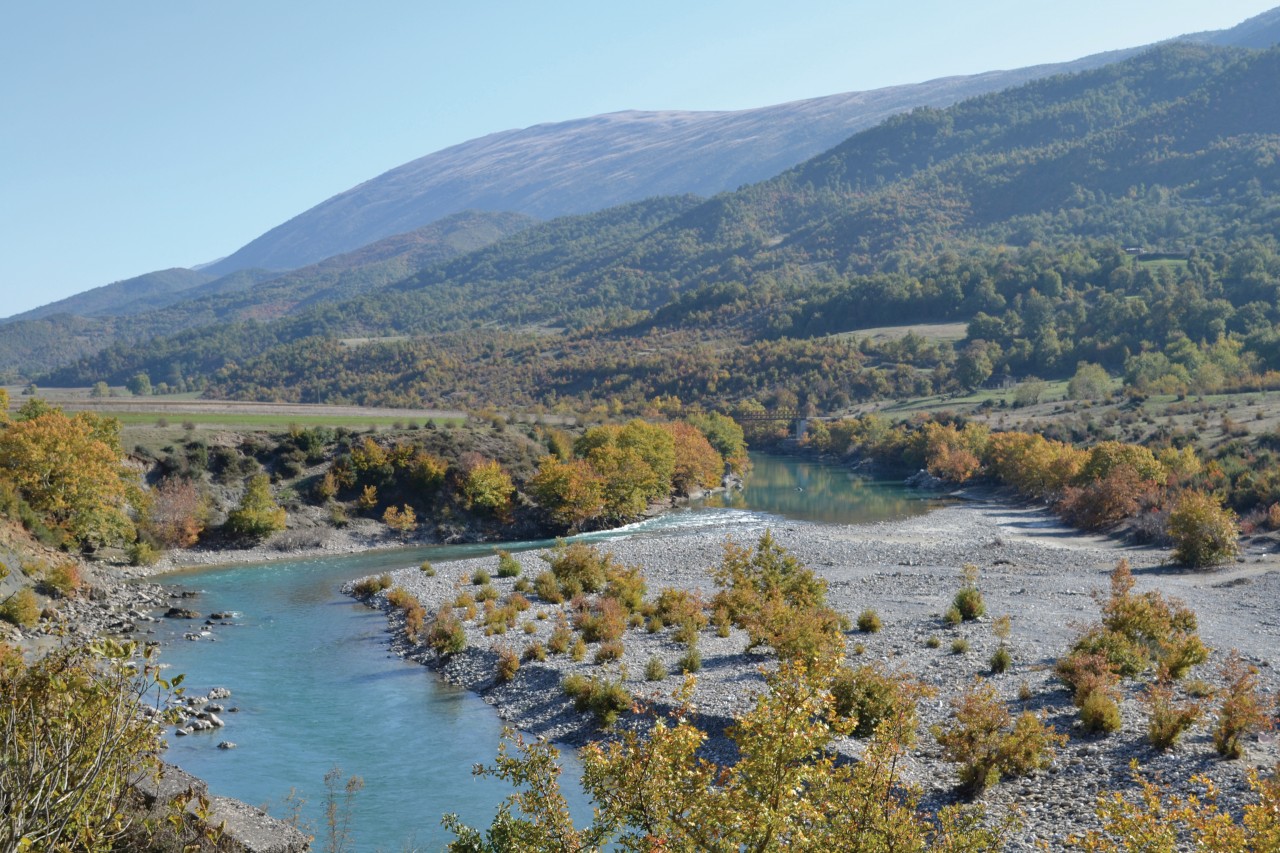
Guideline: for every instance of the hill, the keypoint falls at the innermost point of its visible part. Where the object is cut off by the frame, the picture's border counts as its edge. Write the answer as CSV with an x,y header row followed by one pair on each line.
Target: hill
x,y
47,341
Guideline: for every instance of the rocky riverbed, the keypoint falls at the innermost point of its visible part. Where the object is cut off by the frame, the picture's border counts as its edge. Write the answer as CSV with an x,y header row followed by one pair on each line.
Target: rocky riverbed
x,y
1040,574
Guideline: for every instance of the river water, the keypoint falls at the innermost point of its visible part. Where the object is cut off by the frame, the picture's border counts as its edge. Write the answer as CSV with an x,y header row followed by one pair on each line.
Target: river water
x,y
317,689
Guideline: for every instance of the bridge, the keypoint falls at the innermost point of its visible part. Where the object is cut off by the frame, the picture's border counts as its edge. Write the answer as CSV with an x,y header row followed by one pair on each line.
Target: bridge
x,y
800,421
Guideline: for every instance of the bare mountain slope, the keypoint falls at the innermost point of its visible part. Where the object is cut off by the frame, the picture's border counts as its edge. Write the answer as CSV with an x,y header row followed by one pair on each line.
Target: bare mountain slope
x,y
589,164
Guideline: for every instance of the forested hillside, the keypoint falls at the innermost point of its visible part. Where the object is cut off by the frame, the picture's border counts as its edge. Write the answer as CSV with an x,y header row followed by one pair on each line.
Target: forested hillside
x,y
1013,211
43,343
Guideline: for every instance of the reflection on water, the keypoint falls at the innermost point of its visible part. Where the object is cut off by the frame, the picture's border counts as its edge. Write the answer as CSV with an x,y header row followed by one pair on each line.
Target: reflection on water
x,y
316,687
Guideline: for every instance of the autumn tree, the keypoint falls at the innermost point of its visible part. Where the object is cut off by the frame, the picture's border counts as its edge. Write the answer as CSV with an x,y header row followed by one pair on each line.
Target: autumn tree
x,y
176,514
401,520
69,470
258,514
698,465
486,486
727,437
571,491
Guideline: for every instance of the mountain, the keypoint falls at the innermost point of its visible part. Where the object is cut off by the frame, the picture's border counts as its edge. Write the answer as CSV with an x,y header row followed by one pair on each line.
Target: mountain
x,y
918,219
589,164
130,296
140,309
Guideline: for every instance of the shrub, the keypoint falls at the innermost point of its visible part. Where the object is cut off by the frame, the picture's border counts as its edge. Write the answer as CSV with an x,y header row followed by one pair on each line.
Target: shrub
x,y
508,567
548,588
1099,713
508,665
870,695
447,636
1001,660
1168,720
258,514
969,604
1242,711
680,606
479,577
142,553
604,620
1086,673
427,569
535,651
933,642
561,637
959,646
523,586
21,608
400,598
869,622
604,698
984,744
952,616
690,661
487,592
579,568
518,601
610,650
371,586
577,651
654,670
1203,532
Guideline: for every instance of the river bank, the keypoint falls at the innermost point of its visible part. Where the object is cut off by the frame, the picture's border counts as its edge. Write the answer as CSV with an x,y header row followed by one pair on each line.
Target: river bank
x,y
1041,574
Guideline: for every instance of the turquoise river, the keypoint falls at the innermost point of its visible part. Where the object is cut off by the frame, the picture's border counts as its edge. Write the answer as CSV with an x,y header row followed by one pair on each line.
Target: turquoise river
x,y
316,687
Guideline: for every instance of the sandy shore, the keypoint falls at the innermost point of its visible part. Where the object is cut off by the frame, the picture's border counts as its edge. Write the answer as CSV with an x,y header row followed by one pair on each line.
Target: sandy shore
x,y
1039,573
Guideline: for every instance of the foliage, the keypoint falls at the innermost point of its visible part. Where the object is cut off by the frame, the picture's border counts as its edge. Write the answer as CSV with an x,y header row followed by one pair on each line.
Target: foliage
x,y
400,520
486,486
654,669
21,608
1161,822
605,698
508,665
868,695
75,737
1243,709
987,743
508,566
258,514
69,470
1167,719
968,601
1203,532
176,514
784,790
446,635
869,622
1100,712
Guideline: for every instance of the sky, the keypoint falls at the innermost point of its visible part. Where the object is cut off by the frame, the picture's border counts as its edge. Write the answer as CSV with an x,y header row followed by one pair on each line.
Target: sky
x,y
142,135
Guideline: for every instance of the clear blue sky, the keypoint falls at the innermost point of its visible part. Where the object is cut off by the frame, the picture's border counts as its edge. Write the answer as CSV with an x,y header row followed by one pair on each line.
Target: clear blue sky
x,y
141,135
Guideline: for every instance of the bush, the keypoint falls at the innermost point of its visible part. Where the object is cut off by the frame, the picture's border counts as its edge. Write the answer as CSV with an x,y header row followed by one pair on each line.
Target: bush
x,y
969,604
21,609
1168,720
427,569
508,567
535,651
959,646
508,665
561,637
479,577
142,553
604,620
548,588
690,661
447,636
1243,710
869,622
870,695
371,586
1086,673
1099,713
1001,660
609,650
1203,532
258,514
985,746
400,598
655,670
604,698
579,568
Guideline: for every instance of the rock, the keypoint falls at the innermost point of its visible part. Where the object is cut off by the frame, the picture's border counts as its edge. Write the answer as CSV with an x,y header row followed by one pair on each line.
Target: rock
x,y
226,744
922,479
181,613
219,693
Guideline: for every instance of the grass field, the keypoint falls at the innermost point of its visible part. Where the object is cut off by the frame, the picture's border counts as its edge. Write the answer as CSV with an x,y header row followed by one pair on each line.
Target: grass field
x,y
273,422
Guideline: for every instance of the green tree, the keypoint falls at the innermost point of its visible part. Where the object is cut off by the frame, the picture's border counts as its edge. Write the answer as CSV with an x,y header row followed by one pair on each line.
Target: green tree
x,y
1090,382
485,486
258,514
139,384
